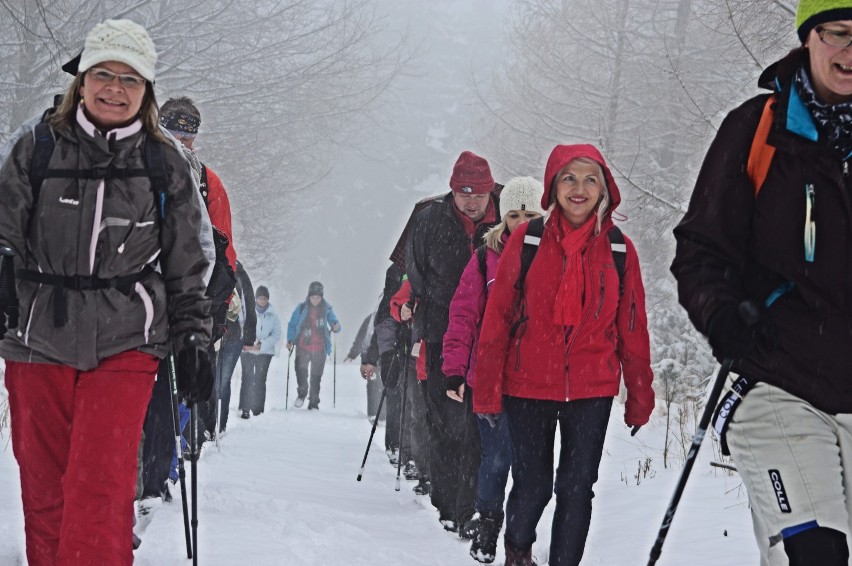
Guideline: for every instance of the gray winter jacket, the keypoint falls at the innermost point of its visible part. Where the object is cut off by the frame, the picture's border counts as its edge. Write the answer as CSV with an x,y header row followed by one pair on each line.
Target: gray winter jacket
x,y
104,229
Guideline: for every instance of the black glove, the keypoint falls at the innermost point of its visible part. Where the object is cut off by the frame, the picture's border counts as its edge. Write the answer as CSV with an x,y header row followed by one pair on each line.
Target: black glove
x,y
194,371
454,382
8,296
736,331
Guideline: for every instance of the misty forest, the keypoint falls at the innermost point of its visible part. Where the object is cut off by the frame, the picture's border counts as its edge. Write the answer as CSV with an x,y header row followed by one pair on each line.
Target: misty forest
x,y
327,120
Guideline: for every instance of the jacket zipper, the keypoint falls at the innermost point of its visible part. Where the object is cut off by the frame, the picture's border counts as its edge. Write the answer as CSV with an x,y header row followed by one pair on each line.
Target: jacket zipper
x,y
601,299
632,309
810,224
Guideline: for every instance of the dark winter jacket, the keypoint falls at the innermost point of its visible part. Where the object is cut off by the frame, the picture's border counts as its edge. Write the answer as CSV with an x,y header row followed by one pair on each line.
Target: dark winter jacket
x,y
244,327
466,310
358,344
731,246
544,360
105,229
437,252
325,319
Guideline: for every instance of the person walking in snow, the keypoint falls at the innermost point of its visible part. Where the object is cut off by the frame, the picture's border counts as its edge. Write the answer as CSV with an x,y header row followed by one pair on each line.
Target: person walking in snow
x,y
364,341
554,351
93,324
308,332
778,305
519,203
441,240
255,359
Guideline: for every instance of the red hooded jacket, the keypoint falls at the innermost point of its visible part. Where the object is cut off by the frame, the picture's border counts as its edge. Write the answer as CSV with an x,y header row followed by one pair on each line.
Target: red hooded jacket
x,y
542,360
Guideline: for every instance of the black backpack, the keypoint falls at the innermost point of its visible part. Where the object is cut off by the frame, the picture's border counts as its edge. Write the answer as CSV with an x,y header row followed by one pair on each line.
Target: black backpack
x,y
532,240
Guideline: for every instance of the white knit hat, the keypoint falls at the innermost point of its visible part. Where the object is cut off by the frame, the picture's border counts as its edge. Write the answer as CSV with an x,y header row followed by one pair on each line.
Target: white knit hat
x,y
123,41
521,193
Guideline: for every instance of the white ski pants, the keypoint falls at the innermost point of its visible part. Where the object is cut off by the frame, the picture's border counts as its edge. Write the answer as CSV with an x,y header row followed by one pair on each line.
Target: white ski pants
x,y
796,463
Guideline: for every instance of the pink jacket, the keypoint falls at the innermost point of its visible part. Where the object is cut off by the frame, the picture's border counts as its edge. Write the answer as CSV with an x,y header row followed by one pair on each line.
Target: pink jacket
x,y
466,311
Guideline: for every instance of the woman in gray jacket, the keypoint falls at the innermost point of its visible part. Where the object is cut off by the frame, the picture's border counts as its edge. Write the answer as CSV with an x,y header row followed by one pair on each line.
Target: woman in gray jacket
x,y
100,216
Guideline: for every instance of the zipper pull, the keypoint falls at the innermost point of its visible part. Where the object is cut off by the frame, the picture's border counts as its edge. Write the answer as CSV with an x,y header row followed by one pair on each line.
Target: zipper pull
x,y
846,169
810,225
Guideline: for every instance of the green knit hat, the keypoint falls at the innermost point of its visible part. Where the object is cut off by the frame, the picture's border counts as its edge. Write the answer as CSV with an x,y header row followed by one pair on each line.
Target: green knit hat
x,y
812,13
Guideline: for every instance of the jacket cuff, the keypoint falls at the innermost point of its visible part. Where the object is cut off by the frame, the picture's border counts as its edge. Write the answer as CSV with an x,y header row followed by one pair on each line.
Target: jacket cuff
x,y
454,382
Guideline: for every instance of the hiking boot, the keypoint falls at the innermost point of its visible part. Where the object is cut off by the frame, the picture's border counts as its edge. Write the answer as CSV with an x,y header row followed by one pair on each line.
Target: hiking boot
x,y
245,414
484,546
393,455
423,487
448,524
313,406
409,470
469,528
516,557
299,402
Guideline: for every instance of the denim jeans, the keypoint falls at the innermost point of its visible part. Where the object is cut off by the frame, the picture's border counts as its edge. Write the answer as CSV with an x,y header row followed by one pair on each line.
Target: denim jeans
x,y
494,468
229,354
532,424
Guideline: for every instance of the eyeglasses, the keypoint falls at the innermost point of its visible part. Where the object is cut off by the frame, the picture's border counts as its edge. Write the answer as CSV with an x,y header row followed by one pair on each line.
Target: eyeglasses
x,y
105,76
839,38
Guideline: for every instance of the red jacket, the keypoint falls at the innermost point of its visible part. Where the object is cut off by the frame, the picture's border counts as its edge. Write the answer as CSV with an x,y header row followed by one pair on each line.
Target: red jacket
x,y
400,298
541,361
219,209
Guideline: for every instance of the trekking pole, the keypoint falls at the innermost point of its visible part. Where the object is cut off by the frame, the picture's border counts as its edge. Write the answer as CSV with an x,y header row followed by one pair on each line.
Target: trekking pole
x,y
193,447
287,391
405,350
372,432
709,408
334,350
218,393
179,449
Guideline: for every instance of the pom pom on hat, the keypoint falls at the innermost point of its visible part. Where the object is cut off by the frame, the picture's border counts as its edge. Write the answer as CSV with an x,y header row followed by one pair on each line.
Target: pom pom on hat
x,y
811,13
521,193
123,41
471,175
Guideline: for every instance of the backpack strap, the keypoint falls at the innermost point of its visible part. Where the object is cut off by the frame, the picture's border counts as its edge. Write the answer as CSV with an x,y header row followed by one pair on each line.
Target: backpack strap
x,y
204,187
155,162
42,150
619,255
482,259
532,240
761,153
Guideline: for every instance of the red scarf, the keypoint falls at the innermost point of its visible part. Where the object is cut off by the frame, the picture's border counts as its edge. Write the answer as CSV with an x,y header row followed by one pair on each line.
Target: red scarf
x,y
572,289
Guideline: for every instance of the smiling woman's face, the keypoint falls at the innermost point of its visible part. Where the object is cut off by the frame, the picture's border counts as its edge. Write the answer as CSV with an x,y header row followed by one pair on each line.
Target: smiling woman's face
x,y
578,191
831,66
110,103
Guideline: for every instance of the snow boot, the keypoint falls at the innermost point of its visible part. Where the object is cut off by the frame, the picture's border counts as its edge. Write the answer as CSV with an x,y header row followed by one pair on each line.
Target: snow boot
x,y
518,557
245,414
448,523
409,470
484,546
393,455
423,487
299,402
469,528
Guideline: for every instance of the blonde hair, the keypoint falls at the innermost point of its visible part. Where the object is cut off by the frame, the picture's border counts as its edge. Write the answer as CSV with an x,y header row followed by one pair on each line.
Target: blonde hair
x,y
494,236
148,112
603,204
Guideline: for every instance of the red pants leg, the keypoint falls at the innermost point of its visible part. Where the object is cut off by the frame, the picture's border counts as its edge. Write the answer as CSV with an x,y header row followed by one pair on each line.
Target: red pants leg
x,y
97,485
41,399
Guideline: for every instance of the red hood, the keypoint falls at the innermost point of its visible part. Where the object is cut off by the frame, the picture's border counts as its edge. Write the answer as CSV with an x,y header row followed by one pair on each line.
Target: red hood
x,y
562,155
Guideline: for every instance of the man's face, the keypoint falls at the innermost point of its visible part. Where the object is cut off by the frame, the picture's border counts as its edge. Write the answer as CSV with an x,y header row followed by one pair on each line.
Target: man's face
x,y
315,299
472,206
262,301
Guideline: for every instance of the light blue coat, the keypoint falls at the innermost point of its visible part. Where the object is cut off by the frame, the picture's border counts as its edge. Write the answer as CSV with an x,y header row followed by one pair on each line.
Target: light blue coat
x,y
268,330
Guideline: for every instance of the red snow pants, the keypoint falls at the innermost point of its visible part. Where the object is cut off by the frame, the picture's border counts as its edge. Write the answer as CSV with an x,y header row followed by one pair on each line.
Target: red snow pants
x,y
75,435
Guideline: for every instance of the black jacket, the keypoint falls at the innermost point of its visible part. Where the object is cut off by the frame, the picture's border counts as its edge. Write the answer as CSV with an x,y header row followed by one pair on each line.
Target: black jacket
x,y
437,252
733,246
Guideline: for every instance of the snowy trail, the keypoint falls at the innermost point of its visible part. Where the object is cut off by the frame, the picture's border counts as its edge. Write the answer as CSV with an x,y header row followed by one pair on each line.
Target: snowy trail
x,y
282,490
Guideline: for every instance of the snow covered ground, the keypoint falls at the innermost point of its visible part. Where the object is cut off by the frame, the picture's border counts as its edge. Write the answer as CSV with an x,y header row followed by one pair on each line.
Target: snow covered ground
x,y
282,491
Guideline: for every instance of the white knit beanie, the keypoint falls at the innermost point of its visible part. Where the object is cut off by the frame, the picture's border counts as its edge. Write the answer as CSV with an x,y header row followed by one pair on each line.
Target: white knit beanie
x,y
521,193
123,41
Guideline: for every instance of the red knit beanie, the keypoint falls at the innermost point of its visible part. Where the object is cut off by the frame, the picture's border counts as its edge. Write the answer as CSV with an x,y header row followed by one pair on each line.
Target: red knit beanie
x,y
471,175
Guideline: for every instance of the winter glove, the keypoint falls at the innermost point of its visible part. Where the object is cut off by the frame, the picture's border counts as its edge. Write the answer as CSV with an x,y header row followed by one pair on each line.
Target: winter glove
x,y
492,418
454,382
194,371
8,296
735,331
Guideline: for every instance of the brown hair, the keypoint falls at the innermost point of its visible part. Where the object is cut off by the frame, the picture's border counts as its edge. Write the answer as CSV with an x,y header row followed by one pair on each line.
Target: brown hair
x,y
148,112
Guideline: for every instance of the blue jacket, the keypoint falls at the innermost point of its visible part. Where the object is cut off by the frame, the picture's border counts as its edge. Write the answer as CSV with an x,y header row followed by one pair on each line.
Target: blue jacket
x,y
325,320
268,330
